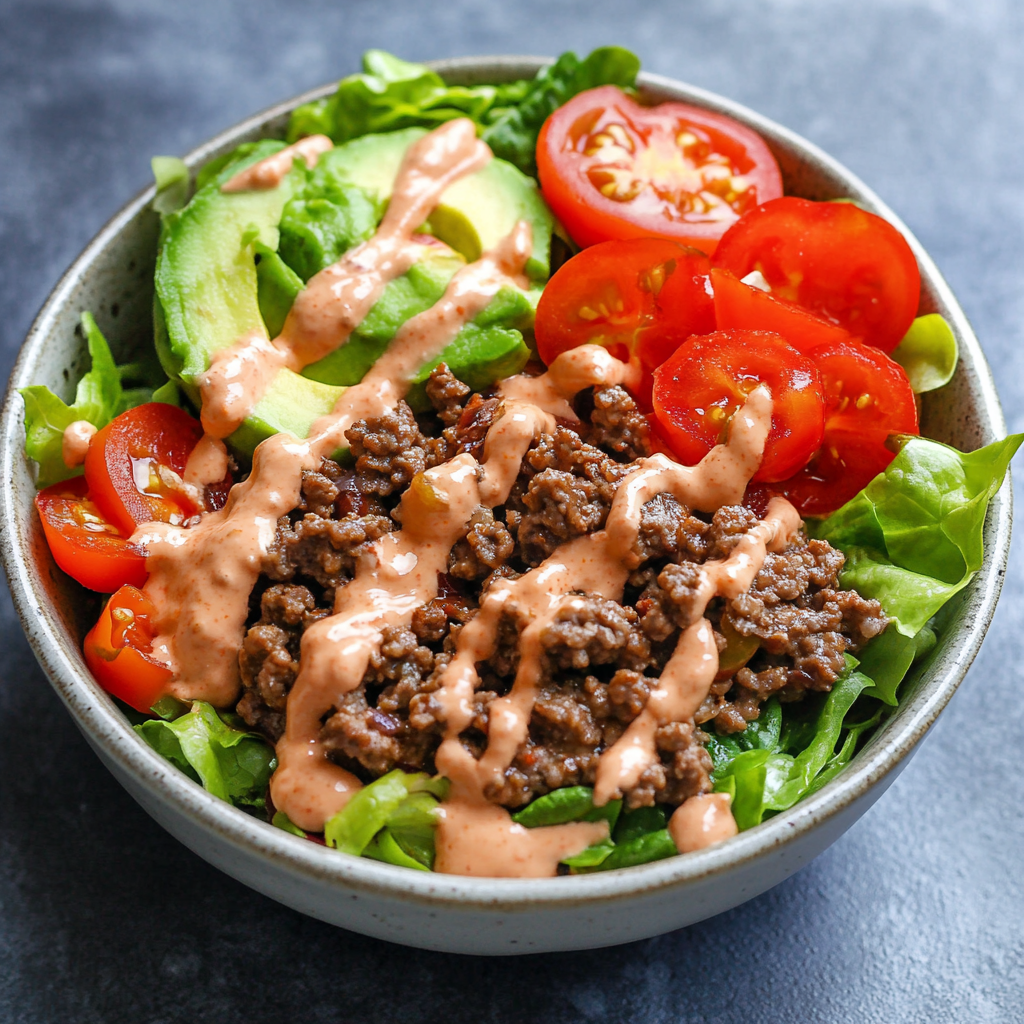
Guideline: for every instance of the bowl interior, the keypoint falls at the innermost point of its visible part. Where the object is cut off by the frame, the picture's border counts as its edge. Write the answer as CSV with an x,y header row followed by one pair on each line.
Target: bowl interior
x,y
113,279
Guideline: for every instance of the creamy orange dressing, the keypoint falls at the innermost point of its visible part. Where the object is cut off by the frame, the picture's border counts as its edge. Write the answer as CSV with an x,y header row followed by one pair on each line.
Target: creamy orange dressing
x,y
75,442
201,577
702,821
272,170
336,300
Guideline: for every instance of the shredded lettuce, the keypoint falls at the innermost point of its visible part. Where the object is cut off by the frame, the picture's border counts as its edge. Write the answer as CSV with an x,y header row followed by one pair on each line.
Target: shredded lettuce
x,y
99,397
229,762
171,177
391,94
928,352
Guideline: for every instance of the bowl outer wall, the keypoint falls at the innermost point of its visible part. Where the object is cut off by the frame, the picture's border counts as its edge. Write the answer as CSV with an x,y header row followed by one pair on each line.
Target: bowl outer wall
x,y
113,277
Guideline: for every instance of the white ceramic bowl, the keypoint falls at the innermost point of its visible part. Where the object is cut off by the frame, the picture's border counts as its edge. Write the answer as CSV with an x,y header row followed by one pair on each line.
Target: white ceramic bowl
x,y
113,278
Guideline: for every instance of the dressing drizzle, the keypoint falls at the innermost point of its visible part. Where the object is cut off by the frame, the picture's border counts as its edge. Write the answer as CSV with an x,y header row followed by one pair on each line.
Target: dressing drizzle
x,y
201,577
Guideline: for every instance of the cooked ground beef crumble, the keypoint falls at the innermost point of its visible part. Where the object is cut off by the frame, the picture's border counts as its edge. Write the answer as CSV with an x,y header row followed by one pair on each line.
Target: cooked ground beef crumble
x,y
601,657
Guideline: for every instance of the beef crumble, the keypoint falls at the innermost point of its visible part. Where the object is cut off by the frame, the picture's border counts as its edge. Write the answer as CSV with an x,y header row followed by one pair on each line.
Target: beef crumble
x,y
600,658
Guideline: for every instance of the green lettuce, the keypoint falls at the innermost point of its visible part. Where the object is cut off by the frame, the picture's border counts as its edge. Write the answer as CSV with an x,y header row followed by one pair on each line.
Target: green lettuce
x,y
171,177
405,802
928,352
767,779
99,397
229,762
913,537
391,94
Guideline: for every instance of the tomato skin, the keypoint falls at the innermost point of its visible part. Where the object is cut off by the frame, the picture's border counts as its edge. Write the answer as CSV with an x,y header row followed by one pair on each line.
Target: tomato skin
x,y
639,297
83,543
708,378
117,650
842,263
604,139
163,434
740,305
867,398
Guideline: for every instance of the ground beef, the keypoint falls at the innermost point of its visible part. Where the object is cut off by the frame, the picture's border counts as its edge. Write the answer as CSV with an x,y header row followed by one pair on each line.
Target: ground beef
x,y
600,658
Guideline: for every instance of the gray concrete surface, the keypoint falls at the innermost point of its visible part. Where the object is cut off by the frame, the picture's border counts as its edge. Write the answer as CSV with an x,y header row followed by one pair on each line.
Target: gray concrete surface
x,y
915,915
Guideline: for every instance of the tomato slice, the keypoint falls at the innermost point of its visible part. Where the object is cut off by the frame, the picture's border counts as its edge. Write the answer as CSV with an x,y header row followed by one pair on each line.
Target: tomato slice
x,y
117,650
835,259
740,305
697,391
611,168
128,461
86,545
638,297
867,398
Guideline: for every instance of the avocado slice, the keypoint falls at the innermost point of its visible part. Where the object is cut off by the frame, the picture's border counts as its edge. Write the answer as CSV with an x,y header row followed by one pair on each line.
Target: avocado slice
x,y
474,214
207,295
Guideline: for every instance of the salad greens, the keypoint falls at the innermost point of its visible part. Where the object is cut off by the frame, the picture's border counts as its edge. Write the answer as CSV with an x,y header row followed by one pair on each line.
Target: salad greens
x,y
391,93
99,397
217,751
928,352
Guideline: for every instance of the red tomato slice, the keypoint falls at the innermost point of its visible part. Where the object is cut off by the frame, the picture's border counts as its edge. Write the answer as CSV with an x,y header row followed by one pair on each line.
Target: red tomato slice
x,y
708,378
739,305
639,297
117,650
867,398
84,543
127,464
611,168
835,259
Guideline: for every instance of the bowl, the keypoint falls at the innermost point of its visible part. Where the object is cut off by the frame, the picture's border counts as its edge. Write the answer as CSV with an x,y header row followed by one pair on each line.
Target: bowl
x,y
113,278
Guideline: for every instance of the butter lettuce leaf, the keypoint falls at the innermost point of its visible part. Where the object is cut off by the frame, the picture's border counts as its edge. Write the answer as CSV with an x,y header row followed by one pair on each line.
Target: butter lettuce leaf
x,y
928,352
229,762
914,536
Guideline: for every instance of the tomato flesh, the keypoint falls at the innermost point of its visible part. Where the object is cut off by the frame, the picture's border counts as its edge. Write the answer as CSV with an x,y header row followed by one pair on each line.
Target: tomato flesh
x,y
117,650
740,305
640,298
708,378
128,462
86,545
867,398
838,261
611,168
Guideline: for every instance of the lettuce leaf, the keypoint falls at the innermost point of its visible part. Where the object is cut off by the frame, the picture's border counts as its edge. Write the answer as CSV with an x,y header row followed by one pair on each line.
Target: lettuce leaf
x,y
99,397
391,93
913,537
229,762
928,352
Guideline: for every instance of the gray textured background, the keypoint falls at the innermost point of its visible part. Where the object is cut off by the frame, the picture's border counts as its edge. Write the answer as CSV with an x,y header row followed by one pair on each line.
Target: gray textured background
x,y
914,915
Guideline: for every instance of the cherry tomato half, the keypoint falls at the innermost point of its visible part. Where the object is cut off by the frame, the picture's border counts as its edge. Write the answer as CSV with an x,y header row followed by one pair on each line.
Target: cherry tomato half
x,y
697,391
740,305
611,168
117,650
867,398
128,461
83,542
835,259
639,297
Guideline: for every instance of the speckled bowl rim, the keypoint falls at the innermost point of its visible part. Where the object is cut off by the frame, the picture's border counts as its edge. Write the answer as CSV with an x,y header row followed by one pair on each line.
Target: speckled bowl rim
x,y
109,731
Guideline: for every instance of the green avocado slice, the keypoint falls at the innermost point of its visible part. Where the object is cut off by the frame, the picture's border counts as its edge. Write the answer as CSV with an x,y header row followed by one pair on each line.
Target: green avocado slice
x,y
474,214
219,276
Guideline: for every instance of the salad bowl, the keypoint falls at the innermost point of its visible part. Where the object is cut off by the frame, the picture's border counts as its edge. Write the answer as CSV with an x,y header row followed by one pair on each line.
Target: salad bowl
x,y
113,277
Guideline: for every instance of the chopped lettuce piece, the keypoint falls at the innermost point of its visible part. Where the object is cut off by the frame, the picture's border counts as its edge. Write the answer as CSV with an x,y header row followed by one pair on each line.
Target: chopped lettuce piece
x,y
913,537
171,177
283,822
643,849
376,805
639,822
887,660
228,762
99,397
767,779
391,94
573,803
385,847
928,352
